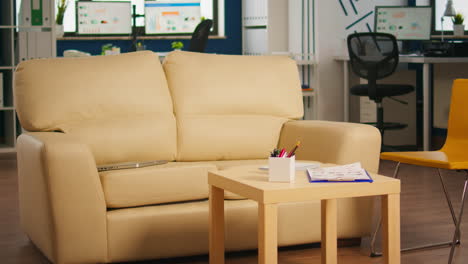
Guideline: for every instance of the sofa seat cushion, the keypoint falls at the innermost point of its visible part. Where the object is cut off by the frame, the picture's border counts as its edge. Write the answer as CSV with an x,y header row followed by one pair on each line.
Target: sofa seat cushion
x,y
172,182
213,165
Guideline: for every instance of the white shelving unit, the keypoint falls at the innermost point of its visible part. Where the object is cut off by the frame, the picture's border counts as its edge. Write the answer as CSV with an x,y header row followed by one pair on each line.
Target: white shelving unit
x,y
7,67
284,27
11,49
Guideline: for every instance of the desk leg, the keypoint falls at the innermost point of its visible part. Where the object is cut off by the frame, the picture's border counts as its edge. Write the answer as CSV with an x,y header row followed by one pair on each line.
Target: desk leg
x,y
216,222
391,228
267,233
345,91
426,107
329,236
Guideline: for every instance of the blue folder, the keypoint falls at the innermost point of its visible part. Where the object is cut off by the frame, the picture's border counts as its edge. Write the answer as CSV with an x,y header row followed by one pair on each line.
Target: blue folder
x,y
337,180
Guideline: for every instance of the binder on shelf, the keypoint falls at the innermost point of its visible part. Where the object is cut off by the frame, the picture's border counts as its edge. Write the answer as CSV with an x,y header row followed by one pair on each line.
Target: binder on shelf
x,y
47,20
25,14
36,12
22,45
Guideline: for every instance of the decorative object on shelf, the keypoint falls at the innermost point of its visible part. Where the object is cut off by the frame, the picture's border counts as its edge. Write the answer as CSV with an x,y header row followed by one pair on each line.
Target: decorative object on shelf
x,y
140,46
177,45
458,26
109,49
61,7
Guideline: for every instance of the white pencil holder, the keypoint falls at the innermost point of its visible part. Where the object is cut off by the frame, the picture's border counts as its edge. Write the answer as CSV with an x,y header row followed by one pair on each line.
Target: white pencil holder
x,y
281,169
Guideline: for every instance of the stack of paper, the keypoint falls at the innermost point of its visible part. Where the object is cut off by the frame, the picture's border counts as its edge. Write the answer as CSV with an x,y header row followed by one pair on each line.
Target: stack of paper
x,y
345,173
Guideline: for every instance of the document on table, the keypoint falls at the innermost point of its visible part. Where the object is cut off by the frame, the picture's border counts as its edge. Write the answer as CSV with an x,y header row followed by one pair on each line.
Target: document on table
x,y
345,173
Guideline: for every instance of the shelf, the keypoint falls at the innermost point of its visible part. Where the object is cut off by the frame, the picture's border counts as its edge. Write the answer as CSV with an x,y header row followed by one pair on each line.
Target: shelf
x,y
27,28
130,37
301,59
306,62
7,108
447,37
6,148
7,67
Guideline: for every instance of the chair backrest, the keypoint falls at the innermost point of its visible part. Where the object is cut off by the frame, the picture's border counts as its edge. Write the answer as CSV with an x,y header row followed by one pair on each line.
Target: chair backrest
x,y
373,56
200,36
457,134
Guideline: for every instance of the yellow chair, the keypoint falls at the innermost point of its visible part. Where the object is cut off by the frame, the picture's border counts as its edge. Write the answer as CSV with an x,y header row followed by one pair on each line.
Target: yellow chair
x,y
452,156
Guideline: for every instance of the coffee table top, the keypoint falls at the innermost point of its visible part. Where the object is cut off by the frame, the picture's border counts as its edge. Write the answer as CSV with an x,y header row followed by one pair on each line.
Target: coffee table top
x,y
251,182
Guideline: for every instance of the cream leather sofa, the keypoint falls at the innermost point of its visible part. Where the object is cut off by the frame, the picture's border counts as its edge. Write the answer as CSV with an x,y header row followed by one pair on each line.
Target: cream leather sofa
x,y
202,112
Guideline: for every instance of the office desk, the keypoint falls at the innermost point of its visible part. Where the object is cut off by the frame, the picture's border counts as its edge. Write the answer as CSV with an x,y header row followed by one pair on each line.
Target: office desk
x,y
426,91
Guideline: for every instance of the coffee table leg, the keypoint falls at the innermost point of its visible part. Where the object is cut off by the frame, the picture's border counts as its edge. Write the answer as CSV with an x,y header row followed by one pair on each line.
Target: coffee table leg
x,y
216,222
391,228
329,236
267,233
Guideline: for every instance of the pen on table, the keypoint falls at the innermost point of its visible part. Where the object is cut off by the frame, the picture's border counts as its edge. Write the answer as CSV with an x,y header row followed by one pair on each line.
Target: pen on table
x,y
283,151
293,151
275,153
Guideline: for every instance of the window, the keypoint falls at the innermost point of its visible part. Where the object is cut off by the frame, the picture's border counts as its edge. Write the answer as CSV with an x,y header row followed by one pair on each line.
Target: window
x,y
461,6
69,22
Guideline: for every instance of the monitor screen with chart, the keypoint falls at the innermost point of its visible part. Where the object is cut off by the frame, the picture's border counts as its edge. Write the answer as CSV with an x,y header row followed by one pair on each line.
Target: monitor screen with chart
x,y
172,17
405,23
102,18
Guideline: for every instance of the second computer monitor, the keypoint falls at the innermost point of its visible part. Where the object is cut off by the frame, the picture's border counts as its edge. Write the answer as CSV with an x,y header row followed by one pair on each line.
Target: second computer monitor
x,y
172,17
405,23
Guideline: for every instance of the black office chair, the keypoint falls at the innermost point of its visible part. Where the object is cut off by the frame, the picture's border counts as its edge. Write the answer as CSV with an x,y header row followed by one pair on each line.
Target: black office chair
x,y
374,56
200,36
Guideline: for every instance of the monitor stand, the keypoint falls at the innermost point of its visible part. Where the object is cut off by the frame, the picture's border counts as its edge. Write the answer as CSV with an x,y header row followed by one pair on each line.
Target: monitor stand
x,y
405,48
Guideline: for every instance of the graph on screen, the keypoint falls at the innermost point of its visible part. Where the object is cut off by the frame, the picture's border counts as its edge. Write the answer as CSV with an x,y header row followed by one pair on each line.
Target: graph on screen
x,y
405,23
104,18
169,17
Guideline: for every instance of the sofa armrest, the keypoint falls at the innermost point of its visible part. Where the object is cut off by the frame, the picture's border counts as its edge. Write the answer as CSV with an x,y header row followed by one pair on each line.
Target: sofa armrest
x,y
333,142
62,204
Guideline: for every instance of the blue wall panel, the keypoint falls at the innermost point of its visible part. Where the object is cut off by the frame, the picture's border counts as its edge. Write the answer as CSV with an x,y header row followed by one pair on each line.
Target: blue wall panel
x,y
231,45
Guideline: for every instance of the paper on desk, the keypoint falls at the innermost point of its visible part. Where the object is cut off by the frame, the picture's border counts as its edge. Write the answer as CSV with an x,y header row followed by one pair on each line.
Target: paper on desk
x,y
300,166
349,172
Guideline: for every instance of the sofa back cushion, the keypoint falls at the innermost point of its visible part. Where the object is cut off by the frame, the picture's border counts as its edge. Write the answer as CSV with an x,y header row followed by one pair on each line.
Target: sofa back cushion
x,y
231,107
119,105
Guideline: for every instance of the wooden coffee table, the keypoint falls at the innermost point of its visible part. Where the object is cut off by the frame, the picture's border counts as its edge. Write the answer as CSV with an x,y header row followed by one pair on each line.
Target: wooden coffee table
x,y
252,183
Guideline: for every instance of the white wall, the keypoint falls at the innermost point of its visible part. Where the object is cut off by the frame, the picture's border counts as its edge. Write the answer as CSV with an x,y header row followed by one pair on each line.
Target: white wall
x,y
331,32
334,23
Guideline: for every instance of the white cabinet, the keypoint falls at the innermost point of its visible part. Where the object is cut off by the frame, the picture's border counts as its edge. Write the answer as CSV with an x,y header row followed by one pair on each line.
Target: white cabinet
x,y
265,26
10,53
284,27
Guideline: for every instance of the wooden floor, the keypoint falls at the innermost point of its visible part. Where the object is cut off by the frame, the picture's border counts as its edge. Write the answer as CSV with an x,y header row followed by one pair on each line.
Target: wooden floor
x,y
425,218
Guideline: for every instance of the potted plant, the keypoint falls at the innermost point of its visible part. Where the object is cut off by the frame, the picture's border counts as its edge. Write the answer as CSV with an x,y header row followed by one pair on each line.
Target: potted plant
x,y
177,45
61,7
458,27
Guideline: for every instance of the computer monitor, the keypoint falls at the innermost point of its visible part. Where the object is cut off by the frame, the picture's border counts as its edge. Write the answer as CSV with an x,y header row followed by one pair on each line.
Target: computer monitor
x,y
172,17
103,18
405,23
